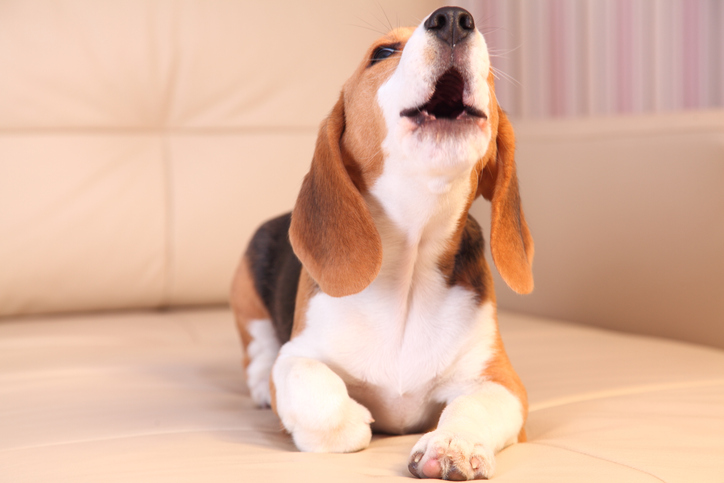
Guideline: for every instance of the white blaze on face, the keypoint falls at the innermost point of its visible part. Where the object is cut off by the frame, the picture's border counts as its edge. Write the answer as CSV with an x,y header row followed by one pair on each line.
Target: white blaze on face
x,y
439,147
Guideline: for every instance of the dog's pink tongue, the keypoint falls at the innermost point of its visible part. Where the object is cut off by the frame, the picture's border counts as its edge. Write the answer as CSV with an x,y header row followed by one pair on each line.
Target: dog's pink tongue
x,y
432,468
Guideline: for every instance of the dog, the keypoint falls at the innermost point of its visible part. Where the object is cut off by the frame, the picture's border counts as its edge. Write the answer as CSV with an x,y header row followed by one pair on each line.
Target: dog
x,y
371,305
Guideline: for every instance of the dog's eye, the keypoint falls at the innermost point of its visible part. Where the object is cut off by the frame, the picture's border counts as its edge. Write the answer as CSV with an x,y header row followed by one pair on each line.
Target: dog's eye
x,y
381,53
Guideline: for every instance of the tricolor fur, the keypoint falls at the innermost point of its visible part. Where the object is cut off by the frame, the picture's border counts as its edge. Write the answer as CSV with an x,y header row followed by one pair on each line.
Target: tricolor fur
x,y
376,286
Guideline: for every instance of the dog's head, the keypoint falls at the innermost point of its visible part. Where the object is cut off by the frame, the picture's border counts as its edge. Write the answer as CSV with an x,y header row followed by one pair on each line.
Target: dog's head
x,y
424,98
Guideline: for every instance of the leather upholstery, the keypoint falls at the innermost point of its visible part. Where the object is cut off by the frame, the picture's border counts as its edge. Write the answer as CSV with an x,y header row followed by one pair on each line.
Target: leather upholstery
x,y
160,397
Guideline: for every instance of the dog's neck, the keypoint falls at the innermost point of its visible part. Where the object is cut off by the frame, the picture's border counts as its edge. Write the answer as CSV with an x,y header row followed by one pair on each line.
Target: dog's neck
x,y
417,213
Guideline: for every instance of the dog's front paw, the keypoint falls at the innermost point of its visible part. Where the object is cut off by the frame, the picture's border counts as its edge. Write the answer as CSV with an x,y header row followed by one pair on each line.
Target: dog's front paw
x,y
451,456
314,406
345,432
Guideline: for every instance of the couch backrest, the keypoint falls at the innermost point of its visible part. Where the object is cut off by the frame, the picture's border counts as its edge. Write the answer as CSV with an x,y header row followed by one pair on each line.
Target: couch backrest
x,y
142,141
628,218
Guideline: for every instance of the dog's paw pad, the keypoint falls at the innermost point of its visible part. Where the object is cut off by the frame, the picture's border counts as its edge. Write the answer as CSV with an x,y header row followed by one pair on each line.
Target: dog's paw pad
x,y
448,456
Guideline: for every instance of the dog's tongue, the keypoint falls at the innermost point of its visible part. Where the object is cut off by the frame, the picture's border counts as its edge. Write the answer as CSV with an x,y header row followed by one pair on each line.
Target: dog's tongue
x,y
447,100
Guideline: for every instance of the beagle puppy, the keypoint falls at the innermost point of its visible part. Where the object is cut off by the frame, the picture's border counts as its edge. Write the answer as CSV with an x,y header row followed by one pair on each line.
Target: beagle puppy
x,y
371,307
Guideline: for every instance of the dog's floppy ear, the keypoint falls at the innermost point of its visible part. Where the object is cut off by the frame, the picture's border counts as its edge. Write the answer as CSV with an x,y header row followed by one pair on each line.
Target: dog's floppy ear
x,y
332,231
510,241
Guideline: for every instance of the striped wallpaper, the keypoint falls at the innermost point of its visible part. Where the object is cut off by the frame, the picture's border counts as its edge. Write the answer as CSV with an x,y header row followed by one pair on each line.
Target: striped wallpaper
x,y
597,57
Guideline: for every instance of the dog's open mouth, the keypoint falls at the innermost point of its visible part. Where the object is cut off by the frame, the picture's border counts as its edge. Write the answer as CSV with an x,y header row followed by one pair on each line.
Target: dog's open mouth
x,y
446,102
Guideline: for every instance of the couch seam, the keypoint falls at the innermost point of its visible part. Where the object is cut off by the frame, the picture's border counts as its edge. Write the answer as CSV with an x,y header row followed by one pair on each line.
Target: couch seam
x,y
565,448
137,435
169,223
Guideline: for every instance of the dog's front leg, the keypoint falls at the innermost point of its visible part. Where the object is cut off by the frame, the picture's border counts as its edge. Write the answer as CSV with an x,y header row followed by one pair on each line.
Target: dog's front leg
x,y
472,428
314,406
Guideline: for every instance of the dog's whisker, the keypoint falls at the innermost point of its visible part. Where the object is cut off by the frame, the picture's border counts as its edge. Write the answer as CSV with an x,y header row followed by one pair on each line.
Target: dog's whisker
x,y
385,28
486,19
507,76
385,14
491,31
381,28
373,29
502,52
500,74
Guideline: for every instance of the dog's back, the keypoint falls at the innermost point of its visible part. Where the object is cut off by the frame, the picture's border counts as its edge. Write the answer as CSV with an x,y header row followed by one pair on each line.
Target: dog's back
x,y
275,271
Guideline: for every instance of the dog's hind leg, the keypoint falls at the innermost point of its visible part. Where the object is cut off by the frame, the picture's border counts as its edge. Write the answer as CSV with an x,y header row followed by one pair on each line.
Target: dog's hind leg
x,y
258,336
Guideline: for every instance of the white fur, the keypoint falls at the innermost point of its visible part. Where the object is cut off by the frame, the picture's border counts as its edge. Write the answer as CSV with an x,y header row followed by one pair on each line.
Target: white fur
x,y
262,351
409,342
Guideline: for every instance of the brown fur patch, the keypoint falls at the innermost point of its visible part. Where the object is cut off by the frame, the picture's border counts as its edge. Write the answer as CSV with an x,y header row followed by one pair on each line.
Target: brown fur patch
x,y
307,289
511,243
246,304
467,266
446,264
365,124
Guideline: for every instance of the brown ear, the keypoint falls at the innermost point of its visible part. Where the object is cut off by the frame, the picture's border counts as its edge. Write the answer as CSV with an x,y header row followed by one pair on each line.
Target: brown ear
x,y
332,230
510,241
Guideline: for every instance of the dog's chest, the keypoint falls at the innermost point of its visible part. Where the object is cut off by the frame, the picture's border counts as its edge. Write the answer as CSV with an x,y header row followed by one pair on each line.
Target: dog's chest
x,y
384,339
400,357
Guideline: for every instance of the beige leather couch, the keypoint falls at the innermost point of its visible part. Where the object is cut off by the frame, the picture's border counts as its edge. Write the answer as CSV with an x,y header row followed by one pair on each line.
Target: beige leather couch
x,y
142,141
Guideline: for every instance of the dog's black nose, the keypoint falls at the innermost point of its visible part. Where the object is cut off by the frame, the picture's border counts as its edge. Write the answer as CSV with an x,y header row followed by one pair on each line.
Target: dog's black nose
x,y
451,24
